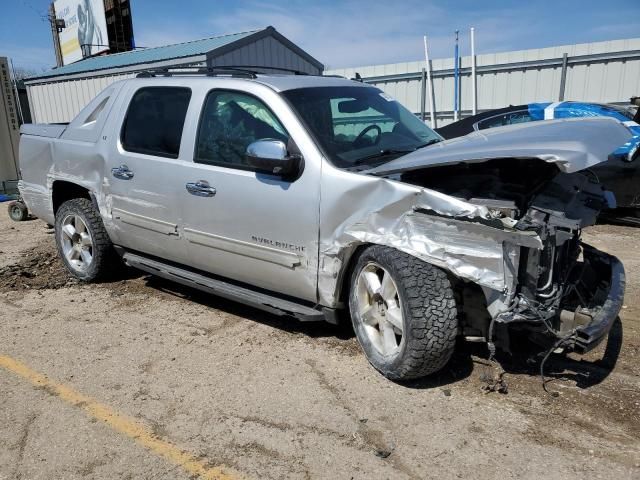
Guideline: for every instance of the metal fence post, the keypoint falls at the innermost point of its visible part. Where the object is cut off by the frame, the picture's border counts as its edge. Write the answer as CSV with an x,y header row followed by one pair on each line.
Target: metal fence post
x,y
423,95
563,77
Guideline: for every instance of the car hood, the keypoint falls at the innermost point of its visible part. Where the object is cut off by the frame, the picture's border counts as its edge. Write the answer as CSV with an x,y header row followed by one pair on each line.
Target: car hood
x,y
572,144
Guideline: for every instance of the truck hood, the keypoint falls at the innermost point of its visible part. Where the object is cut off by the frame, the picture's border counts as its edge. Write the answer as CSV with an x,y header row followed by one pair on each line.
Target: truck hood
x,y
572,144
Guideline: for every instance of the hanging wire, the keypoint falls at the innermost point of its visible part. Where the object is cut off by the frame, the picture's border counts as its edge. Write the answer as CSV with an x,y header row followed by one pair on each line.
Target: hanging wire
x,y
43,18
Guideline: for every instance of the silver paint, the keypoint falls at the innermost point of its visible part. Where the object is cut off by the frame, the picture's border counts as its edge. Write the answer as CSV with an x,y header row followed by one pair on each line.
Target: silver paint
x,y
327,211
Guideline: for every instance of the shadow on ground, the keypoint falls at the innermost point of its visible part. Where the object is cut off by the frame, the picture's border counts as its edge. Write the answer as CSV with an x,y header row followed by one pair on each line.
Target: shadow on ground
x,y
582,371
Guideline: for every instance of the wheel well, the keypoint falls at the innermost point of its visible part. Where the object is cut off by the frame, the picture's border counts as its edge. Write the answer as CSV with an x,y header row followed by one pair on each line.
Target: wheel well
x,y
63,191
343,286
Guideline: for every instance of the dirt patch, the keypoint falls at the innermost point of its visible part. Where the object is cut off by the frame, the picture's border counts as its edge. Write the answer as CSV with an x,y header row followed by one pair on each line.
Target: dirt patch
x,y
37,269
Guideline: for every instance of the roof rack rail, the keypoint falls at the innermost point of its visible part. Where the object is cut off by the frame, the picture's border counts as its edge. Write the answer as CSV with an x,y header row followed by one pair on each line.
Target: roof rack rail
x,y
207,71
265,67
249,71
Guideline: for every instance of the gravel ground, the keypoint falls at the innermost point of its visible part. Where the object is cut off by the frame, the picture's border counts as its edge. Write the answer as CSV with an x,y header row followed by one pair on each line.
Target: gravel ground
x,y
272,398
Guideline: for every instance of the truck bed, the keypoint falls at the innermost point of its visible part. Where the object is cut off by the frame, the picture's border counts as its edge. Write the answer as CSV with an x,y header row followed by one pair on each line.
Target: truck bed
x,y
48,130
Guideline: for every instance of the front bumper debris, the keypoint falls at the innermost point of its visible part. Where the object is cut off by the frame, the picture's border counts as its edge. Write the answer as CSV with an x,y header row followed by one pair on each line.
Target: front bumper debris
x,y
605,276
582,311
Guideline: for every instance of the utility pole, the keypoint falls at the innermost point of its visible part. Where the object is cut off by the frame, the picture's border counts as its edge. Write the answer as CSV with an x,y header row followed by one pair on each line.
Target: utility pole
x,y
55,31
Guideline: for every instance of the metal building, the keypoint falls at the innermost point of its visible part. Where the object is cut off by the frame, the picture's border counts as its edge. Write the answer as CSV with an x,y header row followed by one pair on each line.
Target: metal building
x,y
58,95
606,72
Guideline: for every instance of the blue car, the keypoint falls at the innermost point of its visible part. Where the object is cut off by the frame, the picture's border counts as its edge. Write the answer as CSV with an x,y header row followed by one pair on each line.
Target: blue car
x,y
621,174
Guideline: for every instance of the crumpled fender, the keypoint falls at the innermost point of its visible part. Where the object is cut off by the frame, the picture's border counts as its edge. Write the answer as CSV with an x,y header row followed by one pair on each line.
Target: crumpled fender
x,y
460,237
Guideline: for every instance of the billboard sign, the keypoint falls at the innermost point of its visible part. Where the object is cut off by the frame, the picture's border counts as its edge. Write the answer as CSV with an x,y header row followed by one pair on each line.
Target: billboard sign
x,y
85,31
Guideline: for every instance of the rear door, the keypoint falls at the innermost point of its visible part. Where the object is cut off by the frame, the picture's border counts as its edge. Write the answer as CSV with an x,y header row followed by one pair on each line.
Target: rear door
x,y
141,181
254,228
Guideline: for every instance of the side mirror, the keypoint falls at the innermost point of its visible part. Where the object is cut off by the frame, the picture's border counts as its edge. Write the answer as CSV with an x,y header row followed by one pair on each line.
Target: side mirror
x,y
271,156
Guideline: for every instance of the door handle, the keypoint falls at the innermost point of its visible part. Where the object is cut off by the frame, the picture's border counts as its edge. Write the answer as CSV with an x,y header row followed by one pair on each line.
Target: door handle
x,y
201,188
122,172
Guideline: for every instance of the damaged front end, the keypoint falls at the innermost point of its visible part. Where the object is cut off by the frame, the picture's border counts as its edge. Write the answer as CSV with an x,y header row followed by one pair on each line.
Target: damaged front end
x,y
508,230
555,287
565,290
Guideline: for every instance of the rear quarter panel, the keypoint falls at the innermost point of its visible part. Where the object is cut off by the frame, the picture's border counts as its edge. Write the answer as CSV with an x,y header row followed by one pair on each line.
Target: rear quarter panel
x,y
36,161
73,153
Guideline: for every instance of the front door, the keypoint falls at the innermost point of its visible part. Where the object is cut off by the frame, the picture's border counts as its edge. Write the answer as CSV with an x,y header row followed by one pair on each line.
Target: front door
x,y
142,183
254,228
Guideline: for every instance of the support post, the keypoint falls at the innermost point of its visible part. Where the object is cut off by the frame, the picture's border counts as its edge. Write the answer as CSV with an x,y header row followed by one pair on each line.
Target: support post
x,y
456,77
563,77
474,84
423,95
55,35
434,120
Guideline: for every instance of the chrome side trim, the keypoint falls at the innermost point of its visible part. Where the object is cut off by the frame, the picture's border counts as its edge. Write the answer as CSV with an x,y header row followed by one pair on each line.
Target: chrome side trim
x,y
246,249
147,223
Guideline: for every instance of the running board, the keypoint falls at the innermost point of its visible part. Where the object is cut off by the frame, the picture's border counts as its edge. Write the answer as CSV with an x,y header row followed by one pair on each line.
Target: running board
x,y
229,291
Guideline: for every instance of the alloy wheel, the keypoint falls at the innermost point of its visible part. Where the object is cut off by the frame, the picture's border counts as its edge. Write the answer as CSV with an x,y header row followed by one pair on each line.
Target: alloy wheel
x,y
379,308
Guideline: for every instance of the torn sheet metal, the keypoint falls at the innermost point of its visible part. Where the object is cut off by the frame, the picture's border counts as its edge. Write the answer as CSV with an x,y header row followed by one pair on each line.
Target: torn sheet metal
x,y
439,229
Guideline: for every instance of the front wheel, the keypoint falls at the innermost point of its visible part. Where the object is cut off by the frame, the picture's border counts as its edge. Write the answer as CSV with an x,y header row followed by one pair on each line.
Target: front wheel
x,y
82,241
403,312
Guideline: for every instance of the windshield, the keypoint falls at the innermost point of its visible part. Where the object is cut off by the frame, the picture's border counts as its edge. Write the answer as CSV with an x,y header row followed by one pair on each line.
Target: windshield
x,y
626,111
359,125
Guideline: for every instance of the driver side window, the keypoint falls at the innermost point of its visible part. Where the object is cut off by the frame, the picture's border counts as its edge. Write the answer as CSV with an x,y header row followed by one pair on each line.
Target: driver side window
x,y
230,121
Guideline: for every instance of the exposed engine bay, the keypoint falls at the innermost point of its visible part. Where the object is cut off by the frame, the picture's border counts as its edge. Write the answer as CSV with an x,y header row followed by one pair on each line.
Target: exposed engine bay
x,y
562,287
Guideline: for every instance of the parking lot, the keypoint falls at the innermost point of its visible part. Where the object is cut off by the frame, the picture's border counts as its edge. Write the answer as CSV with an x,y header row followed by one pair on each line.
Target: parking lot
x,y
139,378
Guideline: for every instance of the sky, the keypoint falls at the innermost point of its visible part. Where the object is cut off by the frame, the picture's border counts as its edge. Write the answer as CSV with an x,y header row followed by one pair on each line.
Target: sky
x,y
349,32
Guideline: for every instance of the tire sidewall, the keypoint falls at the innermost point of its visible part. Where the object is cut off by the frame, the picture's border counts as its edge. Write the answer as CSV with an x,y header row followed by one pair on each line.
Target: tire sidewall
x,y
17,212
387,364
73,207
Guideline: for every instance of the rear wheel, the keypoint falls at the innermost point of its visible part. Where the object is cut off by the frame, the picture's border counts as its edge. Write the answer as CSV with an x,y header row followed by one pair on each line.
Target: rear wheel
x,y
403,313
82,241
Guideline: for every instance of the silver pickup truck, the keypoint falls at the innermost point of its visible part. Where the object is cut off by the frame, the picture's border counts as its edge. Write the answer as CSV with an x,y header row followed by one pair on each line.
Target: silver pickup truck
x,y
310,196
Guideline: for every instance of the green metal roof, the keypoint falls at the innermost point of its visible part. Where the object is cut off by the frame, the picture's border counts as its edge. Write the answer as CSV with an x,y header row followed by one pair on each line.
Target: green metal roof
x,y
146,55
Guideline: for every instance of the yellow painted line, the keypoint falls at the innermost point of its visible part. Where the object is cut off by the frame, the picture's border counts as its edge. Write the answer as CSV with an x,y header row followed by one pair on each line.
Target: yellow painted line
x,y
119,423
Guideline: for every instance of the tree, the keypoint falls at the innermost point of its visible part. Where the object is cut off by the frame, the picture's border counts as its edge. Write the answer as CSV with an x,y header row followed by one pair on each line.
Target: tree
x,y
20,73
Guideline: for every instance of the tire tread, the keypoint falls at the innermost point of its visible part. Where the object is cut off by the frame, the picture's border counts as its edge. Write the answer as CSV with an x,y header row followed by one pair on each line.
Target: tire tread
x,y
105,258
433,314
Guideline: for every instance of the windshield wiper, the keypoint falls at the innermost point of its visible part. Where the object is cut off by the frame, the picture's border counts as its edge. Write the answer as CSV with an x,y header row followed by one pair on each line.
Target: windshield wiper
x,y
394,151
430,142
383,153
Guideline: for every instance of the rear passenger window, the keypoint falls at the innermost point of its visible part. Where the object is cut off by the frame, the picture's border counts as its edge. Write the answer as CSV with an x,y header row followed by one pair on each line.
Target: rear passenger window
x,y
155,120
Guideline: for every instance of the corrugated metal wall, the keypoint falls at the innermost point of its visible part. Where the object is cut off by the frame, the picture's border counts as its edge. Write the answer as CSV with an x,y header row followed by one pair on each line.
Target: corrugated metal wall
x,y
60,102
596,72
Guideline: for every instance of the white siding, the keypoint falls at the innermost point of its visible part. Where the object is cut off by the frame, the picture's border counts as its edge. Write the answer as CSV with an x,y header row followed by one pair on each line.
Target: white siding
x,y
60,102
615,80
